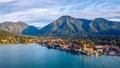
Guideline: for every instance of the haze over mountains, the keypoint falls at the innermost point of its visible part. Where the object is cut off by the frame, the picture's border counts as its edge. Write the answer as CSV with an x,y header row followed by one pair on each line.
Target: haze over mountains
x,y
66,26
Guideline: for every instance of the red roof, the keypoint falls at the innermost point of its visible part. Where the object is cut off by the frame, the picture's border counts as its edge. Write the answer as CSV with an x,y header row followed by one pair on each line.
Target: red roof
x,y
106,46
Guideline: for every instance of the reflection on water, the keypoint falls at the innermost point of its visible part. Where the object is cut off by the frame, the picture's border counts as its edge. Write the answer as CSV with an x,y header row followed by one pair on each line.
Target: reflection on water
x,y
84,59
36,56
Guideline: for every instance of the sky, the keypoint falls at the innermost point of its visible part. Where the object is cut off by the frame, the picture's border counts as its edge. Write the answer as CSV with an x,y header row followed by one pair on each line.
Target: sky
x,y
42,12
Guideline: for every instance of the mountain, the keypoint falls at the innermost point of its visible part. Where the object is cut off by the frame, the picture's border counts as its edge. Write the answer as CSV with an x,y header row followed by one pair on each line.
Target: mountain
x,y
13,27
19,28
69,26
65,25
31,30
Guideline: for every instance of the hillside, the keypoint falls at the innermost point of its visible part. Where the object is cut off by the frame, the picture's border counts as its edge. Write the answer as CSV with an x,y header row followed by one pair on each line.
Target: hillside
x,y
31,30
10,38
13,27
19,28
69,26
66,26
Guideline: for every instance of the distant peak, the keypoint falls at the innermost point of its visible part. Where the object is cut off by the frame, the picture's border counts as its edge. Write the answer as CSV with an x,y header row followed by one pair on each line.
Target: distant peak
x,y
66,16
98,19
12,22
83,19
8,22
21,23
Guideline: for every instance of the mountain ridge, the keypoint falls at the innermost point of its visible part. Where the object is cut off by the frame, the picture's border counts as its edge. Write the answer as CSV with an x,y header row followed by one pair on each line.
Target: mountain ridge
x,y
67,25
13,27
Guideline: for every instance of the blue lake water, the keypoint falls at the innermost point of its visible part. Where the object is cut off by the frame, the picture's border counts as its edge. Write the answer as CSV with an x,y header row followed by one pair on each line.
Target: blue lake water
x,y
36,56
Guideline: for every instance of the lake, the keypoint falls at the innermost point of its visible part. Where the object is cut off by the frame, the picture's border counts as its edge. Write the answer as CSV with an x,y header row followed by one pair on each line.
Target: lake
x,y
36,56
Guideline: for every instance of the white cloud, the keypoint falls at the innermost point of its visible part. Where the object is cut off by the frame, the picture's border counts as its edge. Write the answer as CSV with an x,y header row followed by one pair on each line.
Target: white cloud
x,y
38,24
6,1
31,15
25,15
42,12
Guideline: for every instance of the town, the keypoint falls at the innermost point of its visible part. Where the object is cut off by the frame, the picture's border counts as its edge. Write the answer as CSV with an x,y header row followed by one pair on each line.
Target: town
x,y
85,47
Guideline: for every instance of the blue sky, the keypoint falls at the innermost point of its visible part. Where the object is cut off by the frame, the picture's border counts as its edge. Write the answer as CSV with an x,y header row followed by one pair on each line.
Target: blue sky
x,y
43,12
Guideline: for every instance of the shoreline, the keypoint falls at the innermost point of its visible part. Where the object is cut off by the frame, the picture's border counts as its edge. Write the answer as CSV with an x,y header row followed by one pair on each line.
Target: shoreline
x,y
73,51
68,50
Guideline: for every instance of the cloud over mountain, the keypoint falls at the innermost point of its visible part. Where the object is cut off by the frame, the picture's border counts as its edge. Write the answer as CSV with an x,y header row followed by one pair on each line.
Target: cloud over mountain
x,y
44,12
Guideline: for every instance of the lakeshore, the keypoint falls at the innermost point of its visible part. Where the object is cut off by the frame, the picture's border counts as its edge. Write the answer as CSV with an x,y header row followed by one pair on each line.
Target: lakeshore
x,y
80,48
87,46
37,56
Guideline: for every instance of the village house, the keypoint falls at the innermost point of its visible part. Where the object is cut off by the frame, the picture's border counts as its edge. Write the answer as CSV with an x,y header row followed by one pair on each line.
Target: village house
x,y
88,49
98,48
106,49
